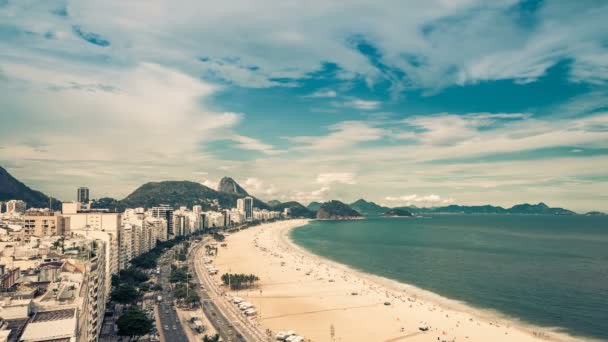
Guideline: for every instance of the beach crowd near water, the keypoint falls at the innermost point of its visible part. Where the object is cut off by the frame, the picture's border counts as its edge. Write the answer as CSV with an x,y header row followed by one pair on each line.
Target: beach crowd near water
x,y
326,301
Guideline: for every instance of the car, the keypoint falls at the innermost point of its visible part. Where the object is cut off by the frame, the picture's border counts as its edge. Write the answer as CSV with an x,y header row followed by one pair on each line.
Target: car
x,y
166,327
174,327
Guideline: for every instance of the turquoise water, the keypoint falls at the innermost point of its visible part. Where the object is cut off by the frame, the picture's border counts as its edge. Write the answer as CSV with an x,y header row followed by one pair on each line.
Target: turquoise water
x,y
550,271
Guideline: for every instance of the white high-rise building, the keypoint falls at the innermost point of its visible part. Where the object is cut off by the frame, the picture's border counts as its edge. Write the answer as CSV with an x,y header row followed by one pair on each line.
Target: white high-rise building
x,y
103,225
166,212
245,207
15,206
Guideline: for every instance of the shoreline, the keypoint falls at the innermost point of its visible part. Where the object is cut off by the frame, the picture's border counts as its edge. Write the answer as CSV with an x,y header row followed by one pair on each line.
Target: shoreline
x,y
447,318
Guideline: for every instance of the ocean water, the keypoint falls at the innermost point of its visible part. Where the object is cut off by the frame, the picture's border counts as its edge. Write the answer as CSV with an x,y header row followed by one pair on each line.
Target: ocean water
x,y
550,271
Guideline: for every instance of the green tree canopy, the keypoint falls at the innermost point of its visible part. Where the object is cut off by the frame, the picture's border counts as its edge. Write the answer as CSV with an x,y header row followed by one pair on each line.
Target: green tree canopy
x,y
134,323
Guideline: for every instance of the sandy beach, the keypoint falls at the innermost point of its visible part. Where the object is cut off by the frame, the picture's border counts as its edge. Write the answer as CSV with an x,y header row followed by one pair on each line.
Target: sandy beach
x,y
326,301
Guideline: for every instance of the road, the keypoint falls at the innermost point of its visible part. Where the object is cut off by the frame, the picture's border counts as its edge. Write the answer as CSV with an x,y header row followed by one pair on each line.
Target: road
x,y
217,306
170,324
228,330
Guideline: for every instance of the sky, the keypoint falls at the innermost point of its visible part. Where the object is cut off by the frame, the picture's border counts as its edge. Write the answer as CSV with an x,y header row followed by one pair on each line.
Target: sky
x,y
410,102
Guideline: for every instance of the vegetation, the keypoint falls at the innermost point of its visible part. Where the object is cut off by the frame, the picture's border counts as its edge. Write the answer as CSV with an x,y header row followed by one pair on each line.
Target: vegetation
x,y
214,338
11,188
179,275
537,209
134,323
239,281
124,294
182,193
132,276
148,260
398,213
368,208
297,209
336,210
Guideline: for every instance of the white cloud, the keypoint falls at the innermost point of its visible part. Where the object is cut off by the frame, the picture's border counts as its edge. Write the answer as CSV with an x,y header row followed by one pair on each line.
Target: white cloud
x,y
210,184
435,43
342,135
260,188
248,143
431,199
336,177
327,93
362,104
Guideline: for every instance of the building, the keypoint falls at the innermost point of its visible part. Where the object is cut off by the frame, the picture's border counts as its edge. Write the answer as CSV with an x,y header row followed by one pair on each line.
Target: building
x,y
248,203
8,278
245,207
75,207
197,209
181,225
166,212
15,206
82,195
105,226
44,222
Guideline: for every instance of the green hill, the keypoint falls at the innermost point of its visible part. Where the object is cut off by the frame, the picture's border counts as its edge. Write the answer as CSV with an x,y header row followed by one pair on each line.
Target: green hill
x,y
368,208
314,206
11,188
336,210
297,209
176,194
398,213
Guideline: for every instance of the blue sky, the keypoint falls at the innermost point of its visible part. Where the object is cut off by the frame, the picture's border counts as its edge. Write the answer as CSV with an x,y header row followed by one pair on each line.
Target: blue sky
x,y
401,102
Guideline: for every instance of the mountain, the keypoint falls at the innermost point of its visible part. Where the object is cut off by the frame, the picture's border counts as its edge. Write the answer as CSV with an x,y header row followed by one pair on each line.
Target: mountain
x,y
314,206
368,208
398,213
540,208
273,203
230,186
336,210
297,209
595,213
537,209
11,188
180,193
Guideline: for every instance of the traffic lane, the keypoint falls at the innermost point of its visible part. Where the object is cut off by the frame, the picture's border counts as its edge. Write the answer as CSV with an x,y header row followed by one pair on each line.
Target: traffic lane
x,y
220,322
170,323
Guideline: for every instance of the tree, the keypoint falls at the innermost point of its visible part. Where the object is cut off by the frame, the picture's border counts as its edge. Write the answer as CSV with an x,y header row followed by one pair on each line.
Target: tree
x,y
214,338
134,323
192,298
179,275
124,294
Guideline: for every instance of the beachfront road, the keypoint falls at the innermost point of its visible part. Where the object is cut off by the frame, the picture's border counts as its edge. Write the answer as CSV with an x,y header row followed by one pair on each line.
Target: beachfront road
x,y
170,326
231,325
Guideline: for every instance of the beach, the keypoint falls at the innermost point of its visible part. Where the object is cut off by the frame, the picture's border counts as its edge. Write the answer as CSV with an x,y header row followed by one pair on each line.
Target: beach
x,y
326,301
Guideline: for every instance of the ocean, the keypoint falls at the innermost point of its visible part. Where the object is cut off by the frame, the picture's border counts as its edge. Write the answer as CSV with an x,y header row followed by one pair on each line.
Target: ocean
x,y
549,271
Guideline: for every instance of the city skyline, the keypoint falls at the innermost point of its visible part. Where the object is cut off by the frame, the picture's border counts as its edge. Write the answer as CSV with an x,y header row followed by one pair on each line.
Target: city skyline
x,y
427,103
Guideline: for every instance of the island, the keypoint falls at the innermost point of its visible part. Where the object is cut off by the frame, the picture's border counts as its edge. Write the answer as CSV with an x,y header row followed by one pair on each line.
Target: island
x,y
398,213
336,210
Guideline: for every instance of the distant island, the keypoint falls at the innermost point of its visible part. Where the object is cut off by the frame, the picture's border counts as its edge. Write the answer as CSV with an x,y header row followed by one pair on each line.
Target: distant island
x,y
595,213
336,210
398,213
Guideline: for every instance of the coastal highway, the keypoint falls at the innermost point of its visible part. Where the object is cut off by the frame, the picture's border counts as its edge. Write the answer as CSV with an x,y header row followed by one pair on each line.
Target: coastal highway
x,y
170,326
231,325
